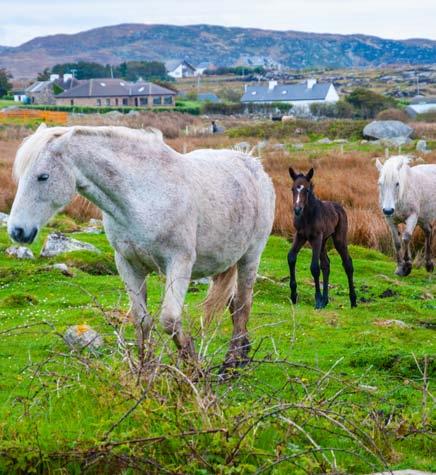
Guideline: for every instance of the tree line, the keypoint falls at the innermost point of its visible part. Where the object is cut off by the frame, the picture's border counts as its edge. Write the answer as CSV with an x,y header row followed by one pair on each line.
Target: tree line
x,y
128,70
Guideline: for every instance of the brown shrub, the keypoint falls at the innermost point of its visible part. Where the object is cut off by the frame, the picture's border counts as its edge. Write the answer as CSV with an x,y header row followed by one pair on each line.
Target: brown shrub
x,y
393,114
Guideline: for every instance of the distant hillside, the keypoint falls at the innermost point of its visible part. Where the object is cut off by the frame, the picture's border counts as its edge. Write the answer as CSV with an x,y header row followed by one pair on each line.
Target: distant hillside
x,y
220,45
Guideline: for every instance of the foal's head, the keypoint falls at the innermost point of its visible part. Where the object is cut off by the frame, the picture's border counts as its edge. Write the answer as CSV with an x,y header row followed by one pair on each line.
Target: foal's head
x,y
301,189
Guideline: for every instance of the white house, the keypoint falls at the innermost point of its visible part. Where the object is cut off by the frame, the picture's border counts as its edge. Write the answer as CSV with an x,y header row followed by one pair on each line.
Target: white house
x,y
421,105
180,69
299,95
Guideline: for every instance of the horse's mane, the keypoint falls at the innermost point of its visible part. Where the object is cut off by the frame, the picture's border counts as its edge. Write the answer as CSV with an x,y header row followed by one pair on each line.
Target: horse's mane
x,y
395,168
33,145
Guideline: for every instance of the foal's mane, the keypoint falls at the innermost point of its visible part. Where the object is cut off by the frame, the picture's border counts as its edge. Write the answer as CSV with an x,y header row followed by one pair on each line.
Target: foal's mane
x,y
33,145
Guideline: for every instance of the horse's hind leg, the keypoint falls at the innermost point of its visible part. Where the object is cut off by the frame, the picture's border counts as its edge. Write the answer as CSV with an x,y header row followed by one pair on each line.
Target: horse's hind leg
x,y
240,307
428,237
340,244
178,275
134,281
325,268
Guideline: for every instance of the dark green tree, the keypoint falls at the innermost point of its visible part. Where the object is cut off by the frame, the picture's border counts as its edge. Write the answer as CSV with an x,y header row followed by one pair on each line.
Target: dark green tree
x,y
5,85
44,75
368,104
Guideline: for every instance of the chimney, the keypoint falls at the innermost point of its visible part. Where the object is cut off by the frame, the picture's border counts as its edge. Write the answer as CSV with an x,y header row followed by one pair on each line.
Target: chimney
x,y
311,83
53,77
271,85
245,87
67,77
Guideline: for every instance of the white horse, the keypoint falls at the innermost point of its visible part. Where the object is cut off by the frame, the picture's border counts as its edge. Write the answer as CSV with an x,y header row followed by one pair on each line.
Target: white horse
x,y
408,195
205,213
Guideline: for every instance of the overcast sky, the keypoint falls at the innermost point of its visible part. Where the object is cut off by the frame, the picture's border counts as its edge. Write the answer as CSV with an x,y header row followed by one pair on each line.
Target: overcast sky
x,y
23,20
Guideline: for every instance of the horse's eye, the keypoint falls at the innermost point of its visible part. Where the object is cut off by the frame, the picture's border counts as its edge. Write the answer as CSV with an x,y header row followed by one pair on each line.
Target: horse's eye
x,y
43,177
397,184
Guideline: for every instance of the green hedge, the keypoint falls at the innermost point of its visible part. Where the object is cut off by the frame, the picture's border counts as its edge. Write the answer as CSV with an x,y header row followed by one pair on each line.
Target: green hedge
x,y
104,110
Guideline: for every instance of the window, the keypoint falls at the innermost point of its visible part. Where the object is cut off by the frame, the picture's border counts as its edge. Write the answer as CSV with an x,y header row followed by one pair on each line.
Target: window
x,y
116,101
157,100
99,102
125,101
143,101
72,102
168,100
108,102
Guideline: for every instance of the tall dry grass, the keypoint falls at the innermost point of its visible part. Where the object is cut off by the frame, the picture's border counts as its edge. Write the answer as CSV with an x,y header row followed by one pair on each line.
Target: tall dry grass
x,y
349,178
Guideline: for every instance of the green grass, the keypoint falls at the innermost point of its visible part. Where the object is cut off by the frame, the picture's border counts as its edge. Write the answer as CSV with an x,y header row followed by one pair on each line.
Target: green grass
x,y
56,408
4,103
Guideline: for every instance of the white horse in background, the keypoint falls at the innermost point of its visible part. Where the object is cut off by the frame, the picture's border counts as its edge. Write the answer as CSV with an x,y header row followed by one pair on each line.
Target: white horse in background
x,y
408,195
205,213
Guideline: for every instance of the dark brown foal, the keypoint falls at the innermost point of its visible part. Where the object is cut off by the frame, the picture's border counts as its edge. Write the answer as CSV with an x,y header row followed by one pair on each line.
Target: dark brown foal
x,y
315,221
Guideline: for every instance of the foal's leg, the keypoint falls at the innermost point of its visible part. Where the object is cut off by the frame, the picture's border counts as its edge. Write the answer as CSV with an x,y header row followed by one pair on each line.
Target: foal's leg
x,y
134,281
315,269
428,236
397,244
347,262
240,307
411,222
178,275
292,261
325,268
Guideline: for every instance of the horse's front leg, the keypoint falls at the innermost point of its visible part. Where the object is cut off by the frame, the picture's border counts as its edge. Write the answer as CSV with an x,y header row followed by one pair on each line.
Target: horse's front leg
x,y
315,269
134,281
292,262
411,222
178,275
428,231
397,244
325,268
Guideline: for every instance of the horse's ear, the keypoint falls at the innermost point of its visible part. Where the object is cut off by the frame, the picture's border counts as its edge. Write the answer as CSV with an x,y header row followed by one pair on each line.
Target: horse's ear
x,y
42,126
379,165
309,174
292,173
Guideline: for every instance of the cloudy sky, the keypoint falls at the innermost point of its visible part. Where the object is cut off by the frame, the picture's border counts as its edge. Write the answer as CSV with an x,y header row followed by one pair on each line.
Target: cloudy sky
x,y
23,20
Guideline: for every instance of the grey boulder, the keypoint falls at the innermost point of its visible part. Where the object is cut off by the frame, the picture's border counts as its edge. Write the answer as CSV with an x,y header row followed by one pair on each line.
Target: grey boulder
x,y
387,129
20,252
83,336
58,243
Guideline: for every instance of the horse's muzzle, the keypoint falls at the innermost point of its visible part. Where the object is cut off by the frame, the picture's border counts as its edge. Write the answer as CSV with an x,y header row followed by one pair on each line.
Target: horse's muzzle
x,y
388,211
19,235
298,211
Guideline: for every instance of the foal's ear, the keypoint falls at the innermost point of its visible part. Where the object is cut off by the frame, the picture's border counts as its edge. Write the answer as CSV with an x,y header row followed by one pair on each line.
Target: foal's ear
x,y
292,173
309,174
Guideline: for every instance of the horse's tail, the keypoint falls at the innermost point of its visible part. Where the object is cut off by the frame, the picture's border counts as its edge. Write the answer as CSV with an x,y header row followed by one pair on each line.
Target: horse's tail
x,y
221,292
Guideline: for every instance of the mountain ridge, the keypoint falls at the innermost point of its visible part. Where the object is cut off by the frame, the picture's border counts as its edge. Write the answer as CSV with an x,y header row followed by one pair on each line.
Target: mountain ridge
x,y
221,45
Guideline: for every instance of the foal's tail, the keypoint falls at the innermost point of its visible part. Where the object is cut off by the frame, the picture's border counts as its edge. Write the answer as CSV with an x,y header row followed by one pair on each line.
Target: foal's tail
x,y
221,292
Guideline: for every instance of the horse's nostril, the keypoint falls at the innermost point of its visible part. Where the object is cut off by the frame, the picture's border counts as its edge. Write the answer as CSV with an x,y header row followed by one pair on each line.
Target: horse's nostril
x,y
18,233
388,211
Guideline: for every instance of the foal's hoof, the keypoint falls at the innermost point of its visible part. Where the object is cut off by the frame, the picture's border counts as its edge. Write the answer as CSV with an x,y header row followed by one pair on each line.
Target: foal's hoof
x,y
319,304
404,270
429,266
294,298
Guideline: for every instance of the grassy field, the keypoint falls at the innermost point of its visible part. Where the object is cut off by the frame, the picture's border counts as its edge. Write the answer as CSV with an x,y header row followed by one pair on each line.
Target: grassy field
x,y
337,390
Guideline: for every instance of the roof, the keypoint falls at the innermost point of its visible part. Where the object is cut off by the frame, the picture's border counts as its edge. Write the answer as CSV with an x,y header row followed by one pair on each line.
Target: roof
x,y
286,92
40,86
175,63
115,87
423,100
208,97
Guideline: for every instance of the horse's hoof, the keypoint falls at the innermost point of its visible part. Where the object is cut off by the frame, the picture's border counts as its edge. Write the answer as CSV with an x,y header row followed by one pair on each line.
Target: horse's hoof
x,y
294,299
319,304
429,267
404,269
